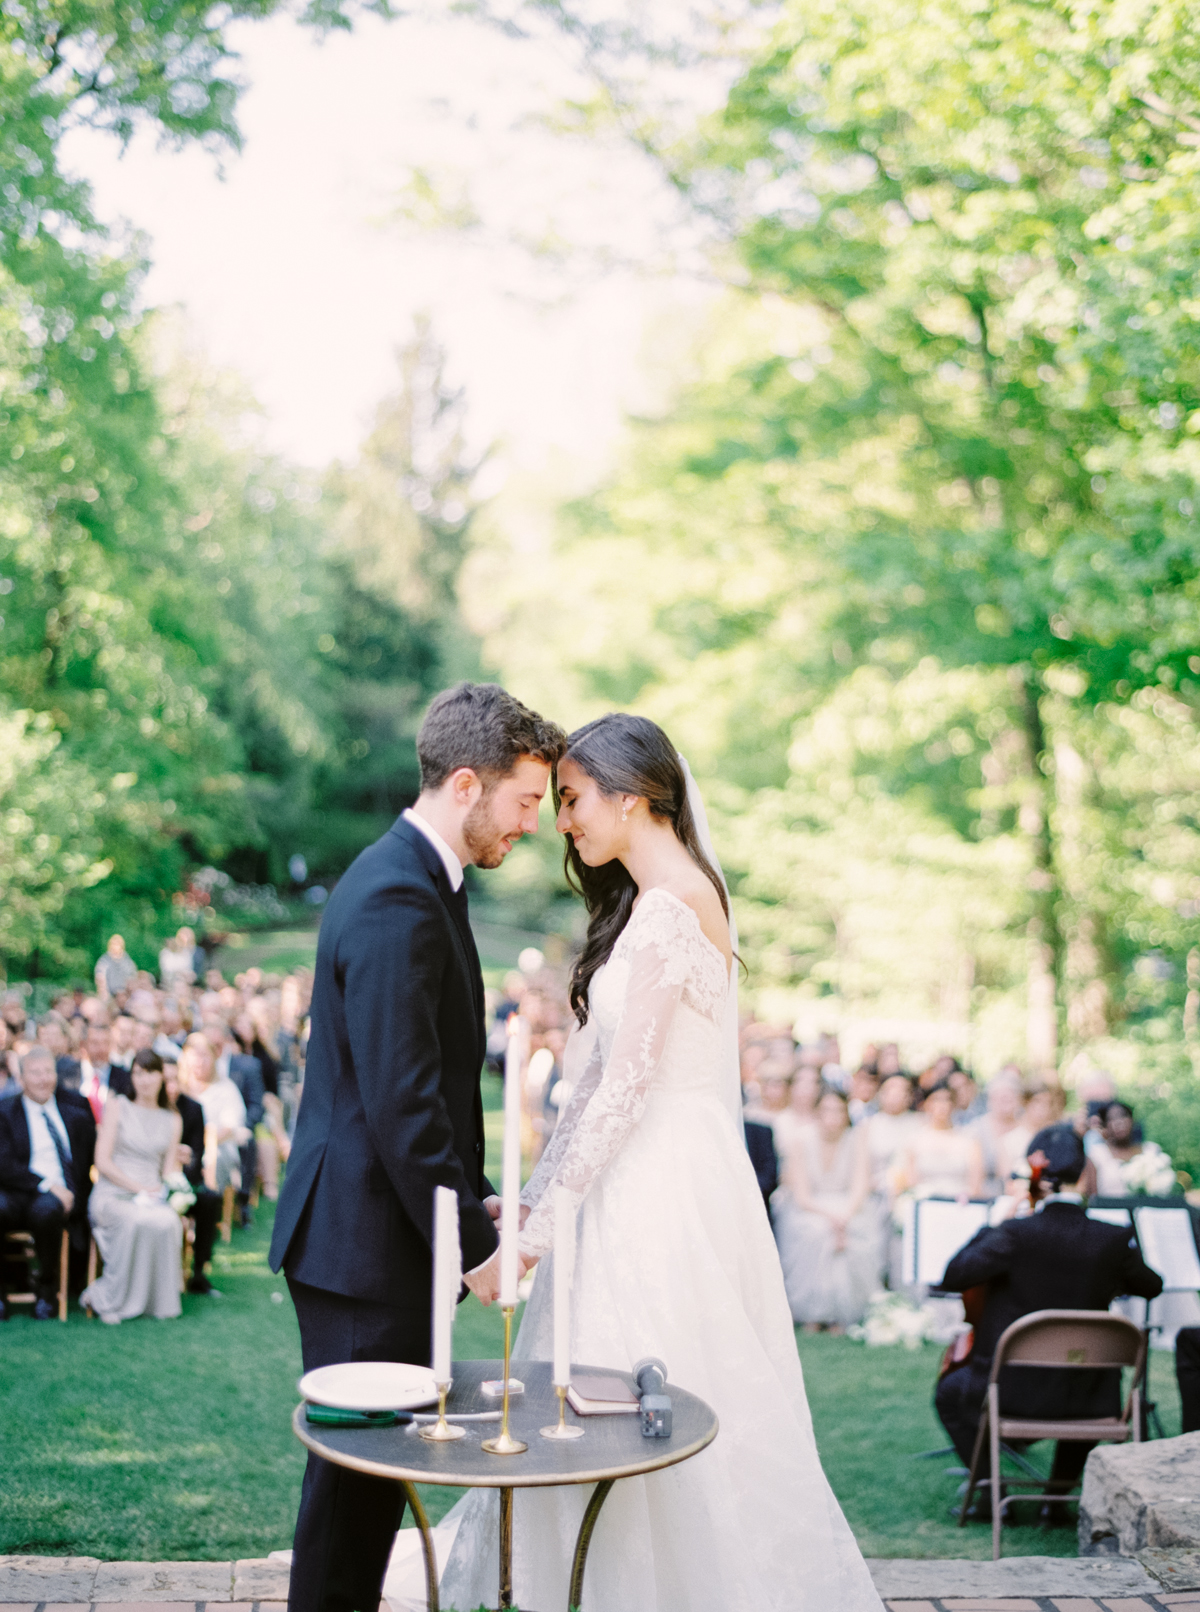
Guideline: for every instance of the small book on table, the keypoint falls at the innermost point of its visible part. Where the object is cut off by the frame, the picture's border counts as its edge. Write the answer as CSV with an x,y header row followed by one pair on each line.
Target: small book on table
x,y
601,1396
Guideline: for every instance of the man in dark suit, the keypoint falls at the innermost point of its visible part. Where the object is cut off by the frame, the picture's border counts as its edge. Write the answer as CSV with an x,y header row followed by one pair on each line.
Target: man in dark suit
x,y
392,1106
760,1144
1054,1259
206,1211
47,1142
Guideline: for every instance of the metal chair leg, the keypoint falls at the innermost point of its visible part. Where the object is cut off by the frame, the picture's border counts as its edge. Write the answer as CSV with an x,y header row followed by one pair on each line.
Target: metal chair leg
x,y
994,1454
63,1269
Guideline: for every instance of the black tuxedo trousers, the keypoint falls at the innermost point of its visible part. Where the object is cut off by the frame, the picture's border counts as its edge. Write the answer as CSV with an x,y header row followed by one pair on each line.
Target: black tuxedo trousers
x,y
347,1521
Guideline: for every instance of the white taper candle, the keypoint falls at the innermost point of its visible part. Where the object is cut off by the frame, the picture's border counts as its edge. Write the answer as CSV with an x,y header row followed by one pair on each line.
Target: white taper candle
x,y
510,1192
447,1278
564,1271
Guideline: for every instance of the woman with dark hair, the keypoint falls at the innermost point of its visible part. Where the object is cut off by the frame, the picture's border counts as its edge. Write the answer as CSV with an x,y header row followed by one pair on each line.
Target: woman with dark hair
x,y
675,1255
138,1234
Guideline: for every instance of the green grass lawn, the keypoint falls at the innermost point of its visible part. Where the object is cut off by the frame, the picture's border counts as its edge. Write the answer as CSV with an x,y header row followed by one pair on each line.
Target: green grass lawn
x,y
170,1440
159,1440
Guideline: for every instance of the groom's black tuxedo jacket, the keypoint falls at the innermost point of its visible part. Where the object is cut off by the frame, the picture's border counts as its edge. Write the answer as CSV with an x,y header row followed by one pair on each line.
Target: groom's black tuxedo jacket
x,y
391,1105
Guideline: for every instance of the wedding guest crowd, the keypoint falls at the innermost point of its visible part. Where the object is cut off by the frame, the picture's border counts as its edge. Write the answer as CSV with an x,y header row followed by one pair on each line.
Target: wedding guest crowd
x,y
125,1109
853,1147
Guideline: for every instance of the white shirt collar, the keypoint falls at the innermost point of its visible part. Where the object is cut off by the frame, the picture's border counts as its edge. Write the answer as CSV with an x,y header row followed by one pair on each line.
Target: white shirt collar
x,y
1062,1197
49,1108
453,867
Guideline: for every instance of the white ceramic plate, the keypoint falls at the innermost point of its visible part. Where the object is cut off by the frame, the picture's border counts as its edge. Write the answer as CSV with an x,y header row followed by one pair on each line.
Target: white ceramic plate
x,y
370,1385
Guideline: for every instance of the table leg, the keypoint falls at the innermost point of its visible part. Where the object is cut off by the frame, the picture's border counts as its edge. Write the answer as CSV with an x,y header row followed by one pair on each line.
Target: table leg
x,y
422,1522
506,1542
586,1529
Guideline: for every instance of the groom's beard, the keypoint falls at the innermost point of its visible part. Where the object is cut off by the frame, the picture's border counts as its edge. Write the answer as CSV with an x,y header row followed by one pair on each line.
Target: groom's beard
x,y
482,836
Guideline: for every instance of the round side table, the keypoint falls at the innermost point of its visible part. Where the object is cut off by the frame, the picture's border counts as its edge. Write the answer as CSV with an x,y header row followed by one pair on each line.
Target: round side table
x,y
612,1448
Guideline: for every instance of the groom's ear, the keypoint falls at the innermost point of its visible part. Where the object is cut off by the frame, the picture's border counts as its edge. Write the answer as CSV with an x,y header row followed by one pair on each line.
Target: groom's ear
x,y
464,786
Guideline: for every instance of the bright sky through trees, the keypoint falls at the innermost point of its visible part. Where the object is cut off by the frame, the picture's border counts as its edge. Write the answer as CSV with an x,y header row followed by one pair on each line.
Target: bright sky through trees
x,y
291,270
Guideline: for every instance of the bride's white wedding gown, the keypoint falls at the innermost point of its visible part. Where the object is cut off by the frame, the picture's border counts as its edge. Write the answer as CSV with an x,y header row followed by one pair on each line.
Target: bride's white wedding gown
x,y
675,1259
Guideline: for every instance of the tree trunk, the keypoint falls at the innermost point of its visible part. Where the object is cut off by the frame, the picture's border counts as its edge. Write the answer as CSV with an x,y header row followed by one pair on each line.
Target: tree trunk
x,y
1043,938
1087,968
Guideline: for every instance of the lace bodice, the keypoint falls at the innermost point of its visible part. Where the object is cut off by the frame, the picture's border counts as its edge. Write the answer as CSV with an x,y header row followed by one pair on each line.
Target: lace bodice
x,y
657,1007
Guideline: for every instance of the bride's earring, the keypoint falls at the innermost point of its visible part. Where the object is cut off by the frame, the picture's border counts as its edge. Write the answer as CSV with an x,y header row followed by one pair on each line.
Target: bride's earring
x,y
624,814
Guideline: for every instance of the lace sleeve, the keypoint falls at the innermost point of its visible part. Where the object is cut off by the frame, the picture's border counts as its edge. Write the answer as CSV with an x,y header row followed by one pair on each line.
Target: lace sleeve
x,y
660,953
581,1072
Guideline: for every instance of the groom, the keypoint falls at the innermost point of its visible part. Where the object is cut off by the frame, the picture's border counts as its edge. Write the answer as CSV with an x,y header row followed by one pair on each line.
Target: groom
x,y
391,1106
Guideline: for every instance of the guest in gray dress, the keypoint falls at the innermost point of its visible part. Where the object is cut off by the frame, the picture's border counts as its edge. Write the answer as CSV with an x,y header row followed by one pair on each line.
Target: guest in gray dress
x,y
138,1234
825,1225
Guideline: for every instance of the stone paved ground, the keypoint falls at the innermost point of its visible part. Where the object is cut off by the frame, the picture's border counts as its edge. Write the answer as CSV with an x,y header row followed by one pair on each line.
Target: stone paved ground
x,y
1016,1584
1050,1603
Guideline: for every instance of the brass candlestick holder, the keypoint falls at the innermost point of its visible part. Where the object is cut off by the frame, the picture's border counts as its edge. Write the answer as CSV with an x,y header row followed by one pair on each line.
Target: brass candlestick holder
x,y
441,1431
504,1443
562,1428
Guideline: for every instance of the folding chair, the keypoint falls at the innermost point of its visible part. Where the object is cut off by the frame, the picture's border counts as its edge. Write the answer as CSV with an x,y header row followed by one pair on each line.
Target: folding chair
x,y
20,1248
226,1223
1070,1339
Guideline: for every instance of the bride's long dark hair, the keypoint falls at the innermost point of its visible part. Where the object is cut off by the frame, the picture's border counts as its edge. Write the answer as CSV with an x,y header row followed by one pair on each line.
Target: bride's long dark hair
x,y
624,755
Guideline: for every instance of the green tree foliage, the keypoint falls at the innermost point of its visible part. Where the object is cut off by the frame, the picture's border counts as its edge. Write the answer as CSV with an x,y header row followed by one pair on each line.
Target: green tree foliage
x,y
912,567
166,592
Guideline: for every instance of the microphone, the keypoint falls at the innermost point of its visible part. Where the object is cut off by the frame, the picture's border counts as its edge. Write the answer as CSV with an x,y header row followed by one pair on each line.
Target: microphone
x,y
651,1377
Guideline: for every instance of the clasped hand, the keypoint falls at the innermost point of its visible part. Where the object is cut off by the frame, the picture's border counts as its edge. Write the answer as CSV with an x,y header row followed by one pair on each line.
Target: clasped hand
x,y
484,1280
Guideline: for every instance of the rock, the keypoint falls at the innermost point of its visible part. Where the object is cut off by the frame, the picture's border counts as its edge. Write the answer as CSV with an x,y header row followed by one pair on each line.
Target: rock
x,y
1174,1569
1140,1496
1017,1576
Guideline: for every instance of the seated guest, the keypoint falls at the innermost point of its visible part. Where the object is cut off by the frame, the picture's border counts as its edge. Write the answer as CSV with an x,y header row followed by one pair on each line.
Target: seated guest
x,y
941,1160
171,1031
1005,1101
120,1045
970,1103
206,1211
94,1066
225,1128
10,1066
800,1114
828,1233
1053,1259
864,1094
137,1232
253,1033
245,1073
760,1144
53,1034
889,1131
46,1150
1118,1143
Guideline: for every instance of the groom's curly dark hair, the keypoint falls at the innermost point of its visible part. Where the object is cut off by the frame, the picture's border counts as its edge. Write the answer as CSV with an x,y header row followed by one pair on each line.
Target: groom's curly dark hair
x,y
482,726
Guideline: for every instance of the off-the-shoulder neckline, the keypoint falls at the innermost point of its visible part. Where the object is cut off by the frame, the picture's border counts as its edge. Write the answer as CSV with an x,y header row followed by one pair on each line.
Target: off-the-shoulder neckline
x,y
661,890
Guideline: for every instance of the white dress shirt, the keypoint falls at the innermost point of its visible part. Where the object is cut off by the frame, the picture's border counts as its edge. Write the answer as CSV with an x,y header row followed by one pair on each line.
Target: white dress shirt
x,y
453,867
43,1155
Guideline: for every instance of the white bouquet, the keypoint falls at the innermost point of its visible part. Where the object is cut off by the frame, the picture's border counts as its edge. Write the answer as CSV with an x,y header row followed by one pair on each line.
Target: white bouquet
x,y
180,1195
1149,1171
893,1319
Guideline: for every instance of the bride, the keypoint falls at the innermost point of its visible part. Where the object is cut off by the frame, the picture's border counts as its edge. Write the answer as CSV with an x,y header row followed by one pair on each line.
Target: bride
x,y
675,1255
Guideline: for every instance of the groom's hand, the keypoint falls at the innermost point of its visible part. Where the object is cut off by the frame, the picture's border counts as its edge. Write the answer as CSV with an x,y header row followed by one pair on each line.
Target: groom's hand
x,y
484,1280
494,1205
